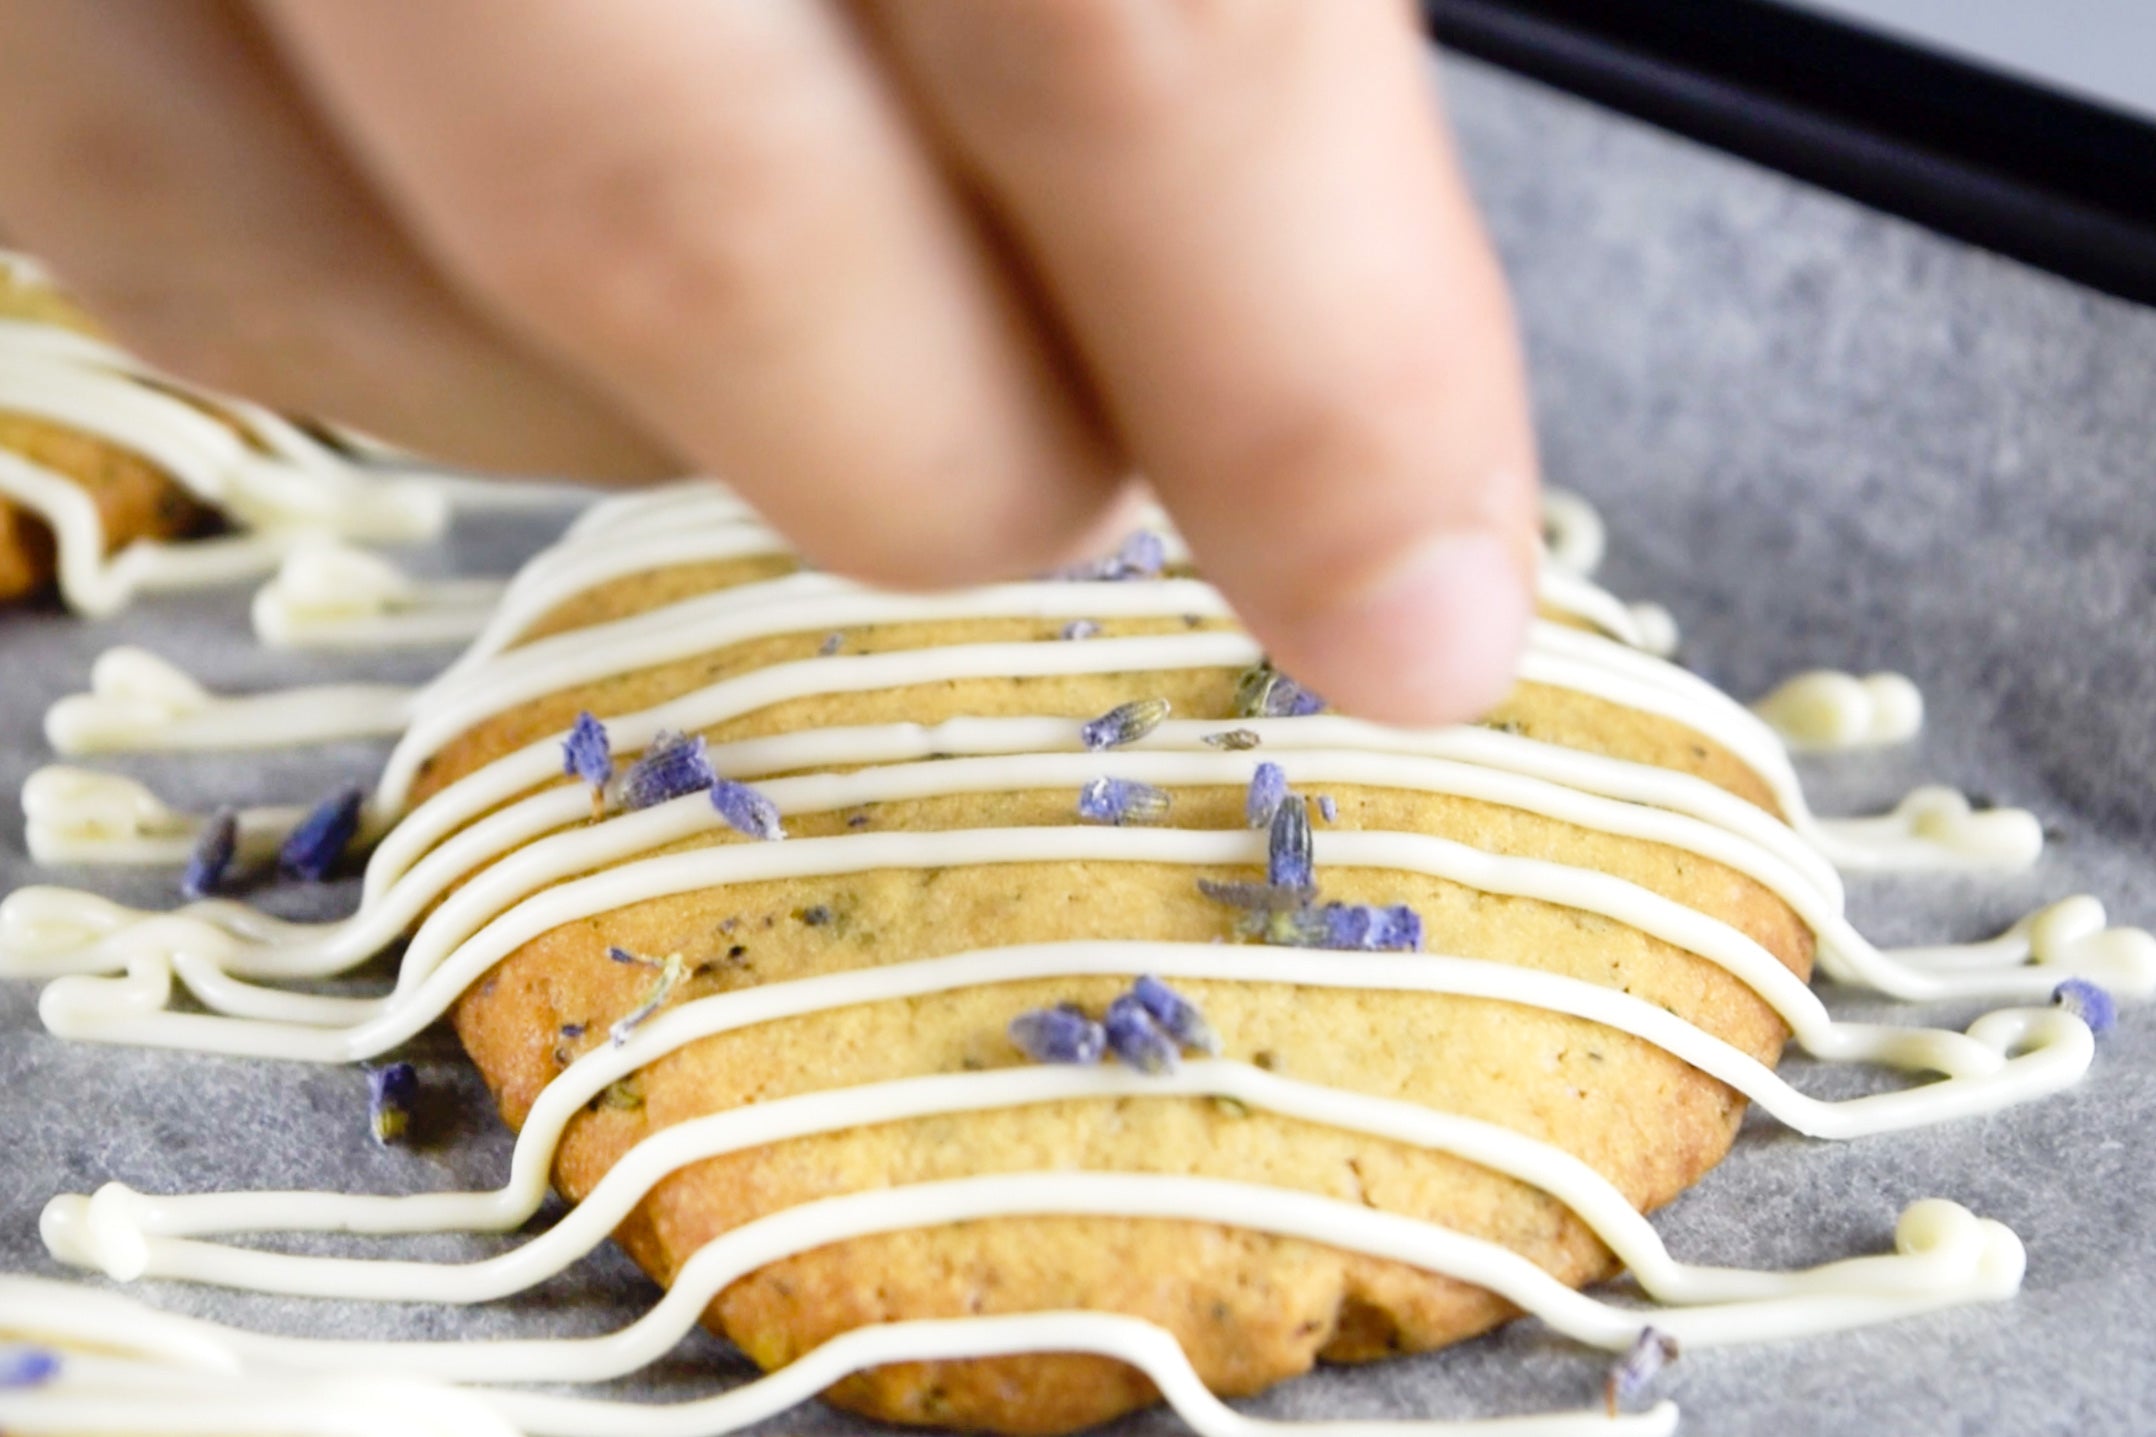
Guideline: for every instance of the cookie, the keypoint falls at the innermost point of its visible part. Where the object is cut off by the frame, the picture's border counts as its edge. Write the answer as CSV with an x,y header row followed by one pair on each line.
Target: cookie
x,y
134,497
1249,1308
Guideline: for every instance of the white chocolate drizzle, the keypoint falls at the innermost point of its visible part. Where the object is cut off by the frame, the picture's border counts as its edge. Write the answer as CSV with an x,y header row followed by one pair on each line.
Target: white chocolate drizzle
x,y
281,490
332,596
506,854
1824,711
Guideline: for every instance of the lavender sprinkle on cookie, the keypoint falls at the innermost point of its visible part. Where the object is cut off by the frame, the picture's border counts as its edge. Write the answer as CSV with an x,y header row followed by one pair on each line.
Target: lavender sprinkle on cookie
x,y
746,810
1122,800
673,766
1289,853
1123,724
1268,786
587,753
1178,1017
1137,1038
1058,1035
22,1368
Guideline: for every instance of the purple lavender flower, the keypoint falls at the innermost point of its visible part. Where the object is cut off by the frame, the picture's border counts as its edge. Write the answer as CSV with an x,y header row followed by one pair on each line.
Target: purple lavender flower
x,y
587,753
1058,1035
392,1090
1178,1017
313,850
1265,692
1079,629
1289,860
1234,739
831,644
212,855
1350,927
1125,723
24,1367
1328,809
1632,1376
1268,786
673,972
1136,1038
2089,1002
673,765
1143,555
747,810
1122,800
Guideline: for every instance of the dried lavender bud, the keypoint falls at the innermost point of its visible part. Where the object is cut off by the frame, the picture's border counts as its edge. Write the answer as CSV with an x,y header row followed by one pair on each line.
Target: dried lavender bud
x,y
1079,629
587,753
816,915
624,956
313,850
673,765
1289,862
2089,1002
25,1367
1143,555
1137,1039
1265,692
747,810
1252,897
572,1031
1058,1035
1125,723
1350,927
1234,739
1177,1015
1632,1376
673,971
831,644
1328,809
1268,786
392,1090
212,855
1122,800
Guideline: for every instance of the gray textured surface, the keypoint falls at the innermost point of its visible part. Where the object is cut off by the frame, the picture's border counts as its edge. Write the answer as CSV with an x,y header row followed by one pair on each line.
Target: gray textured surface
x,y
1821,437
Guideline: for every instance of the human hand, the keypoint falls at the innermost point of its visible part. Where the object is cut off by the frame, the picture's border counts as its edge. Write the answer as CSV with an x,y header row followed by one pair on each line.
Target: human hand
x,y
924,280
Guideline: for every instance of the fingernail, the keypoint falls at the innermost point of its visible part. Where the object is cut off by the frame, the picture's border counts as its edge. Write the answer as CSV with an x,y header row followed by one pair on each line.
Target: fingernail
x,y
1434,640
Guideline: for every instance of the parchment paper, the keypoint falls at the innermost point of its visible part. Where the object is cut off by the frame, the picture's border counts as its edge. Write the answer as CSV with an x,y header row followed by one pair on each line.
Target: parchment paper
x,y
1822,437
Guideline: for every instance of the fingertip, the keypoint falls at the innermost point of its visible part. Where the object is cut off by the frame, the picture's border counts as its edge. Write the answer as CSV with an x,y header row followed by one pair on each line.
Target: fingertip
x,y
1434,639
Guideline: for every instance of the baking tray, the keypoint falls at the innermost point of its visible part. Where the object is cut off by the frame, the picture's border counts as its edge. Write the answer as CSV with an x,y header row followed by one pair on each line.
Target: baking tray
x,y
1821,436
2008,162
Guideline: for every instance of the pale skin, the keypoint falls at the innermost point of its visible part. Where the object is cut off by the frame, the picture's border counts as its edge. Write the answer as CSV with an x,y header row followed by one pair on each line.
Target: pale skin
x,y
927,280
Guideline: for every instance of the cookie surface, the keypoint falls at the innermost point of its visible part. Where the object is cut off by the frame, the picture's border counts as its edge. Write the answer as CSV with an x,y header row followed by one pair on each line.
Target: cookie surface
x,y
1249,1308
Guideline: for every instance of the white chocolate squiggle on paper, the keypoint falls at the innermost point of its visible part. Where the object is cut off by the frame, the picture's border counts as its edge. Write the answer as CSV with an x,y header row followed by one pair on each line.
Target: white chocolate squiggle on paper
x,y
283,491
507,853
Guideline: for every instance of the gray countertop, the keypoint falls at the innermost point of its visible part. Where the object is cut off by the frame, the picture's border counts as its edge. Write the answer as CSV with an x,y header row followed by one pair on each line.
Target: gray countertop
x,y
1821,437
